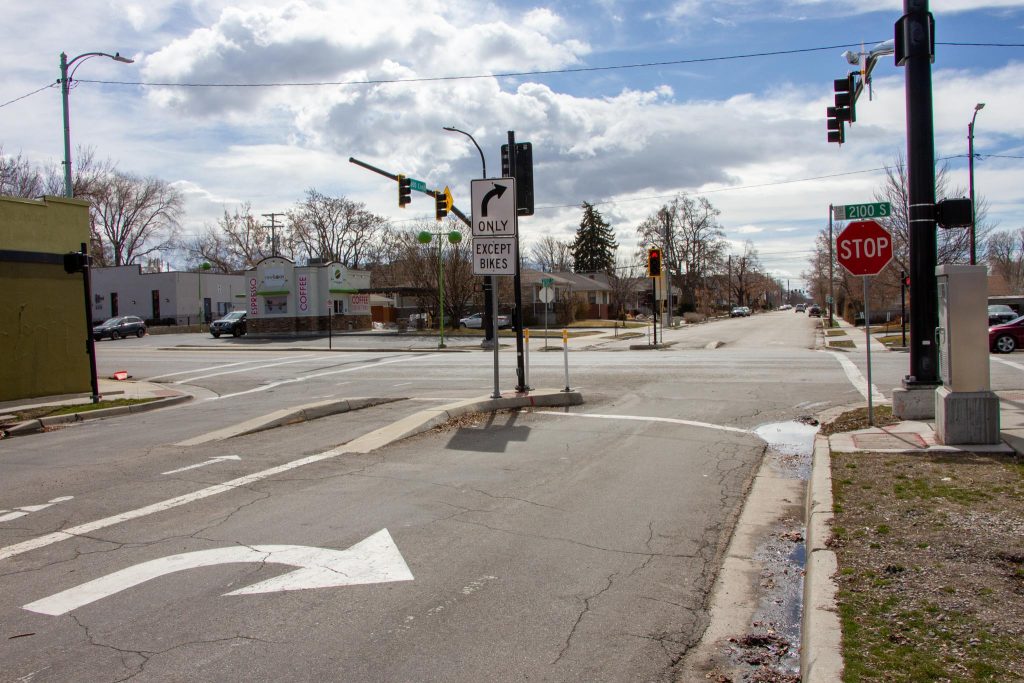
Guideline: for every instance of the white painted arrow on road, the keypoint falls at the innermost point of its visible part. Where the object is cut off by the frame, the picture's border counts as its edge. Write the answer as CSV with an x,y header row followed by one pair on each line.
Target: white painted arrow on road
x,y
219,458
375,559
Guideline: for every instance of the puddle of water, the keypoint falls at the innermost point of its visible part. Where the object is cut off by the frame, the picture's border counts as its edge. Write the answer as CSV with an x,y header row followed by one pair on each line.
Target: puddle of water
x,y
790,438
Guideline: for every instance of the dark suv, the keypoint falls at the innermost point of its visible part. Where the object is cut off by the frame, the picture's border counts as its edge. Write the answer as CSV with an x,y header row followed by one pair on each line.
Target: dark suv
x,y
233,323
119,326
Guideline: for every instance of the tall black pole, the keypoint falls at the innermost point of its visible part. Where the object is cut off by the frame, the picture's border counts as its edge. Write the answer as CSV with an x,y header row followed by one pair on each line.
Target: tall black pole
x,y
831,275
90,344
913,33
516,281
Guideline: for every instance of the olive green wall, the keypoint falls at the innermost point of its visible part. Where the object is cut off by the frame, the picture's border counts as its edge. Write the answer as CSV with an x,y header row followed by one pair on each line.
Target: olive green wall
x,y
42,309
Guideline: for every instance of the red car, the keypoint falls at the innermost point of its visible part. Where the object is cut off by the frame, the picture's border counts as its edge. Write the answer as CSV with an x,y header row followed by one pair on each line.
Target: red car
x,y
1007,337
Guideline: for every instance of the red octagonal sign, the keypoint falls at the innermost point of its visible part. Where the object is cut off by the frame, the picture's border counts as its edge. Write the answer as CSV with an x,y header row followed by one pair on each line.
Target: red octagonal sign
x,y
864,248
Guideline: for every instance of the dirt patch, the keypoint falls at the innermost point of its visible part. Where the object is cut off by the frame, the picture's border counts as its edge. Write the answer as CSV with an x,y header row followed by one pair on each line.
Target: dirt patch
x,y
930,550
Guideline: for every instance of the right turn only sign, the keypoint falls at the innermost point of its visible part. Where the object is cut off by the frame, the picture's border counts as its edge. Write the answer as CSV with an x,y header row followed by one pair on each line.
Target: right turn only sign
x,y
495,241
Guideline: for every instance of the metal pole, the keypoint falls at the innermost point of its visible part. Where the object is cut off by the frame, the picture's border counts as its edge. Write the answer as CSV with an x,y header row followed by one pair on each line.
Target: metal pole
x,y
440,284
494,331
867,342
654,308
565,356
831,275
516,280
903,307
90,344
924,317
970,156
68,192
330,326
526,355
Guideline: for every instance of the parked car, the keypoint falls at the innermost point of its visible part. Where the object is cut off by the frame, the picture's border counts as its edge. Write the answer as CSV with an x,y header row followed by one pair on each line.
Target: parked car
x,y
799,308
814,311
233,323
1001,313
476,321
739,312
1006,337
785,307
119,326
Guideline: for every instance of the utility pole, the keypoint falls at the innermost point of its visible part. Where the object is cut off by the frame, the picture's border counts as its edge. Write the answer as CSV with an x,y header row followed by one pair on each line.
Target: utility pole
x,y
831,275
915,51
728,285
517,282
273,231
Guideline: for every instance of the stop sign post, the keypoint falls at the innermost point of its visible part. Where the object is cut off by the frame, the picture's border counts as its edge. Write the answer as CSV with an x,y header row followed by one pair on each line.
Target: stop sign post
x,y
864,248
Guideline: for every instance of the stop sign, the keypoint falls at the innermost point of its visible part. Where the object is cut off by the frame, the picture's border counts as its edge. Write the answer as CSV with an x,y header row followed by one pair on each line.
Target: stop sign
x,y
864,248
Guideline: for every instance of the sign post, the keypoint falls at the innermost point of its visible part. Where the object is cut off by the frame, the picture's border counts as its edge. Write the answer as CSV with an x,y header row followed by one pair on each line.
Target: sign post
x,y
864,248
495,240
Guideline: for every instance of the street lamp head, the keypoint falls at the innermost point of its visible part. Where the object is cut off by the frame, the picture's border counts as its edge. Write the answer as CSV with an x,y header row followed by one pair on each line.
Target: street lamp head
x,y
424,237
125,60
455,237
979,106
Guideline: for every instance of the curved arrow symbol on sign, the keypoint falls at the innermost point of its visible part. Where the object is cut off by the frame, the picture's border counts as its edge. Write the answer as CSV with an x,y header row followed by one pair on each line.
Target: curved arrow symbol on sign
x,y
495,191
375,559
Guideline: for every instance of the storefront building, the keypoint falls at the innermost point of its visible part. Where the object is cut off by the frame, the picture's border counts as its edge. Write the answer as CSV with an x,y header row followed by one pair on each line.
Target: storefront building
x,y
287,299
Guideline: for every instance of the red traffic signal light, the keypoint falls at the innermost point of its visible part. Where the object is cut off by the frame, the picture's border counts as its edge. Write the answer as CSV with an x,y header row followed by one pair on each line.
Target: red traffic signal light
x,y
654,262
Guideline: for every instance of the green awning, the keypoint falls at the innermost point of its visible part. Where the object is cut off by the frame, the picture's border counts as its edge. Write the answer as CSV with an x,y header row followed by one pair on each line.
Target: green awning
x,y
344,291
274,292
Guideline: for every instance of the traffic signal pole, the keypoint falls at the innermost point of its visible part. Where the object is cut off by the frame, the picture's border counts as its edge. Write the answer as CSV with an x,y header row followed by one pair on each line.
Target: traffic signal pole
x,y
517,283
914,51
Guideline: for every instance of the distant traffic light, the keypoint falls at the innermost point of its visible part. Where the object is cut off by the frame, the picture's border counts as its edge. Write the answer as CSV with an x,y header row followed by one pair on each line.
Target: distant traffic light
x,y
440,206
404,191
523,175
906,280
654,262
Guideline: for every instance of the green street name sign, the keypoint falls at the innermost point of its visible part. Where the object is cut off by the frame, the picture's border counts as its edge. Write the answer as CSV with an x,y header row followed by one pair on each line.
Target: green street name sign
x,y
417,185
856,212
547,281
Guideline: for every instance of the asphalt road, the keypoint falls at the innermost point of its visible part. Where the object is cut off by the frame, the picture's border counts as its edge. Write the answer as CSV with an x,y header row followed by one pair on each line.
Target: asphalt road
x,y
562,545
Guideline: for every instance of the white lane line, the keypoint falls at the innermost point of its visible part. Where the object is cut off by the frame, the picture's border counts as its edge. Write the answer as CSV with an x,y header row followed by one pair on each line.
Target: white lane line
x,y
211,461
212,367
25,509
300,359
645,418
315,375
362,444
857,379
1018,366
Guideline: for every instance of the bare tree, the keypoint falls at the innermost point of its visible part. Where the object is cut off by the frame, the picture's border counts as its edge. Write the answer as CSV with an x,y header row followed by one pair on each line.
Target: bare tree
x,y
746,272
415,265
689,232
624,281
237,242
338,229
18,177
1006,257
552,255
135,217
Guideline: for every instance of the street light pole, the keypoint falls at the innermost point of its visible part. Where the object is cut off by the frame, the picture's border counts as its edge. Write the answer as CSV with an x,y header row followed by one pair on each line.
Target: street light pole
x,y
970,161
489,283
65,83
454,237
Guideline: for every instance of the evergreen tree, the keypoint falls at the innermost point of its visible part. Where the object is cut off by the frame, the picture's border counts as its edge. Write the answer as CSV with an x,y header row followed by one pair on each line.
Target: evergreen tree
x,y
593,250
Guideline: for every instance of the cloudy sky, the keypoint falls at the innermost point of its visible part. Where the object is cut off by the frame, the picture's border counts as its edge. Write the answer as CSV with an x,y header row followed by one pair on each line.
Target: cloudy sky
x,y
626,102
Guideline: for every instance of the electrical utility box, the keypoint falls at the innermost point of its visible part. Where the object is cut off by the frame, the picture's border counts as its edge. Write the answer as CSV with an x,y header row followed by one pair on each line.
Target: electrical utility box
x,y
962,335
966,410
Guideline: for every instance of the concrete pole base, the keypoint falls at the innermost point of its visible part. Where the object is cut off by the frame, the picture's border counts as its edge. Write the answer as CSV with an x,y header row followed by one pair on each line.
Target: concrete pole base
x,y
966,417
914,403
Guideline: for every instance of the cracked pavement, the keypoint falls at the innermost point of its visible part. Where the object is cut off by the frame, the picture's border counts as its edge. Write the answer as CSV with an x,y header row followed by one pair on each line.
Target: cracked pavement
x,y
541,546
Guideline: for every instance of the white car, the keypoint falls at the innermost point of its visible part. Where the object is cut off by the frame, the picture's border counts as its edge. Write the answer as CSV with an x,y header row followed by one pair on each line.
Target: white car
x,y
476,321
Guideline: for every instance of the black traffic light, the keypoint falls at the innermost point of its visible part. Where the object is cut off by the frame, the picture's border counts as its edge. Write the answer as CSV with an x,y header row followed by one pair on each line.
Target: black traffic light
x,y
440,205
404,191
654,262
846,97
836,127
523,175
75,262
906,280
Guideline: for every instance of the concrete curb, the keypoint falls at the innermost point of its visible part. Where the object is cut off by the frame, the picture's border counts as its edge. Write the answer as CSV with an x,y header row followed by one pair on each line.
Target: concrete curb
x,y
287,416
308,349
31,426
821,657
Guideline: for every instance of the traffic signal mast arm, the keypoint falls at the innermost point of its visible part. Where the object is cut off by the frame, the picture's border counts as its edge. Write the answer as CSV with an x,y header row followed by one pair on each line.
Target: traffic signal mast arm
x,y
396,176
